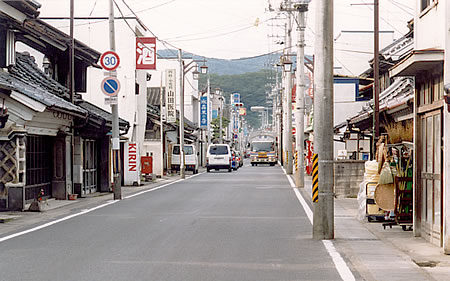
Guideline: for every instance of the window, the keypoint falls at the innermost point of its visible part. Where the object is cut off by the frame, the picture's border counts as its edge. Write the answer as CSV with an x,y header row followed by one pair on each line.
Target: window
x,y
39,167
218,150
262,146
188,150
426,3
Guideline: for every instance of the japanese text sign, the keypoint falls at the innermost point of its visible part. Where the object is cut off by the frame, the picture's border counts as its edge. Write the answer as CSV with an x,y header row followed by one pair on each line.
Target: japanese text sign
x,y
171,109
203,112
236,98
145,53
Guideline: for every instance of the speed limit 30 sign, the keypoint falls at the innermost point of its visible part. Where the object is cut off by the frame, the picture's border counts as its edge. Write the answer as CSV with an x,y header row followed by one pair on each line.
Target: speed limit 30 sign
x,y
110,60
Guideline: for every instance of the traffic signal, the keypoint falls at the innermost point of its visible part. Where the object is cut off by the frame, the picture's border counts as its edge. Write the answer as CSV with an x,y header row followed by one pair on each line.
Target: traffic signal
x,y
239,104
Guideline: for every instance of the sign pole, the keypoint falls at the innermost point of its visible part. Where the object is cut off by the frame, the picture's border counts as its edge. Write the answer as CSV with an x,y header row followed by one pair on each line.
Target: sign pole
x,y
182,166
117,188
162,125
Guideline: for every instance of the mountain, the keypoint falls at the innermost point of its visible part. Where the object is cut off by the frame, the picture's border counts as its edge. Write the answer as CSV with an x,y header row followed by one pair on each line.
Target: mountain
x,y
234,66
228,67
251,85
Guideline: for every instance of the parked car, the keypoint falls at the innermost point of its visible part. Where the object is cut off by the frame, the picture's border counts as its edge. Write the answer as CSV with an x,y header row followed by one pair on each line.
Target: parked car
x,y
218,157
240,159
190,158
234,162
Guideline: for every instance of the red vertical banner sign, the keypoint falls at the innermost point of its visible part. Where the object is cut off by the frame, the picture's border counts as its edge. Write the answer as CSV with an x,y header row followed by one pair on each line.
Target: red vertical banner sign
x,y
294,93
145,53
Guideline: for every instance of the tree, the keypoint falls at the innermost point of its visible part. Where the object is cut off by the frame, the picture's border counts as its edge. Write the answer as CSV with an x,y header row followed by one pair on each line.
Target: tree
x,y
215,125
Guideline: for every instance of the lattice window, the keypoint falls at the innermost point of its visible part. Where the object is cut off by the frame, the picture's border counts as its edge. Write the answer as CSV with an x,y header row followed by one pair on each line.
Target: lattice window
x,y
39,162
89,166
8,162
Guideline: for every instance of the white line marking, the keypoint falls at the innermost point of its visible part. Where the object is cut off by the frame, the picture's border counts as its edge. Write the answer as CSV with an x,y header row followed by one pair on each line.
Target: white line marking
x,y
161,186
55,222
305,206
341,266
152,189
85,211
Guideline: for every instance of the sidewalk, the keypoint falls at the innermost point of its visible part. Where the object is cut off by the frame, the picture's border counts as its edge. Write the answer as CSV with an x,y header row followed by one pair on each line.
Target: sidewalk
x,y
12,221
383,254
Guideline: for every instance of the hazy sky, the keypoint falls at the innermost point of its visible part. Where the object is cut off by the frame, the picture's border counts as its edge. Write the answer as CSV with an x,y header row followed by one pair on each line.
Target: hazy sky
x,y
227,28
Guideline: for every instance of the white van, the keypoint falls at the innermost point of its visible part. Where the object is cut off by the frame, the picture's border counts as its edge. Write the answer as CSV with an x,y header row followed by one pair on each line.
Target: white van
x,y
218,157
190,158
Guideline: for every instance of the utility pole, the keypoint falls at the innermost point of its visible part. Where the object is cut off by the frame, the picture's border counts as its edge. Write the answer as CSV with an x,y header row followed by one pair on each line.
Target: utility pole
x,y
72,53
208,98
323,220
376,76
162,125
115,115
182,172
302,8
72,91
220,118
288,91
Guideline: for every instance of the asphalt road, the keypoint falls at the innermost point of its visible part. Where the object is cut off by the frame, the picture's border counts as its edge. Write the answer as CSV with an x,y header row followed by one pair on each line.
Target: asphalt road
x,y
244,225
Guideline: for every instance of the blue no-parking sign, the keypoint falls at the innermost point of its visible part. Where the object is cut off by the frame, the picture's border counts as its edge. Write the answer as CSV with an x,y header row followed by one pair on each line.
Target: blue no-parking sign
x,y
110,86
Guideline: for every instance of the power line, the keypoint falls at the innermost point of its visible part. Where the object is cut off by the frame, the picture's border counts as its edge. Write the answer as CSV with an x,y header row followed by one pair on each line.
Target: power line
x,y
207,30
217,35
400,7
131,10
157,6
387,22
258,56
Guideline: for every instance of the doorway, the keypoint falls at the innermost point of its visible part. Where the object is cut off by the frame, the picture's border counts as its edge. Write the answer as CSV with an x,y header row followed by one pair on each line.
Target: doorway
x,y
430,176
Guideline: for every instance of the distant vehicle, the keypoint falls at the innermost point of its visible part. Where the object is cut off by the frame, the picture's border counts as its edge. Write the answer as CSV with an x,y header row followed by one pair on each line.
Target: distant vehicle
x,y
190,158
218,157
263,151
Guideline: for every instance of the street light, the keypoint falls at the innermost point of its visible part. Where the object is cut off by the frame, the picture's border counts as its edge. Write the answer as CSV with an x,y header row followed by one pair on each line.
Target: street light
x,y
287,65
195,74
183,70
204,69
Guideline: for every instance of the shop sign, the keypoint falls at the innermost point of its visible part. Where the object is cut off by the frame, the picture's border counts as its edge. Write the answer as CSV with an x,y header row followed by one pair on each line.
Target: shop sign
x,y
145,53
171,109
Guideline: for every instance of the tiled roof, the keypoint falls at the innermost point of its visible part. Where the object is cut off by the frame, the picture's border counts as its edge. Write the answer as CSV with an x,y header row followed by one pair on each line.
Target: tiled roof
x,y
400,92
26,78
99,113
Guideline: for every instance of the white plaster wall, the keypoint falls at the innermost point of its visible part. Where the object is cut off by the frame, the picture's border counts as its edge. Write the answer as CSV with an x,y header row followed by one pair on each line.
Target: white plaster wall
x,y
345,106
429,27
132,107
190,86
155,148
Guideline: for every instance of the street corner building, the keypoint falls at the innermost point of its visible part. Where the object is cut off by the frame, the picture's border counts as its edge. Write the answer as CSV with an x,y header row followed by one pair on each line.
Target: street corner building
x,y
51,141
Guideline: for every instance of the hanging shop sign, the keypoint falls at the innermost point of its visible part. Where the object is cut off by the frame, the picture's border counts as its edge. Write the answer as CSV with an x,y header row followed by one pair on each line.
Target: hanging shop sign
x,y
203,112
145,53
